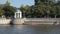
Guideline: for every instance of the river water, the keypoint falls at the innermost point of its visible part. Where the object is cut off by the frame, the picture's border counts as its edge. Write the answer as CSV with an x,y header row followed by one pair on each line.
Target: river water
x,y
29,29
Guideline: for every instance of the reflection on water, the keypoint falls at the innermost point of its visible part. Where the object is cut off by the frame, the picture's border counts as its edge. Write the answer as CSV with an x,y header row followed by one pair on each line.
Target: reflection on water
x,y
29,29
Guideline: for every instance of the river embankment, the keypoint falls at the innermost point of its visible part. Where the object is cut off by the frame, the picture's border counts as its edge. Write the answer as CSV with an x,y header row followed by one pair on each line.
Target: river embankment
x,y
37,21
31,21
4,21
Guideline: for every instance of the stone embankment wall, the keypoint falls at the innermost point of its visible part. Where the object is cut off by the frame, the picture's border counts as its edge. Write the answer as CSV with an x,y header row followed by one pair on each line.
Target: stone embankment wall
x,y
4,21
42,21
31,21
18,21
37,21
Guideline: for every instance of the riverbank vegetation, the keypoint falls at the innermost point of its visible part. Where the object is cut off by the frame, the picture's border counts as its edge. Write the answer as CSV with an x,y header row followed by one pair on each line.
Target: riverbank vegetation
x,y
41,9
7,10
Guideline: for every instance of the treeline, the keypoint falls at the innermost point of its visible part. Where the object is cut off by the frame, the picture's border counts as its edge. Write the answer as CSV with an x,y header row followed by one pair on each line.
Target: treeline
x,y
42,9
7,10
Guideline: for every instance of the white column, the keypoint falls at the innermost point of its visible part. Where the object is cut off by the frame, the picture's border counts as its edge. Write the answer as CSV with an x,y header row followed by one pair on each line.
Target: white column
x,y
20,15
15,15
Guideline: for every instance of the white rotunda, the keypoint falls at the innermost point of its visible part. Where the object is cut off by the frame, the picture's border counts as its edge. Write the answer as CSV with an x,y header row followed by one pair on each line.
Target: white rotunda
x,y
18,14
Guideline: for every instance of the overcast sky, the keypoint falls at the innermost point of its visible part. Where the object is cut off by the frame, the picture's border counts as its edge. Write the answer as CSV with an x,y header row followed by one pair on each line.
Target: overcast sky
x,y
18,3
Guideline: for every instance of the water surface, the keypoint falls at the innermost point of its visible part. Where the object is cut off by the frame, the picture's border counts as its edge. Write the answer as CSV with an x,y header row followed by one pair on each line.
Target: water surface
x,y
29,29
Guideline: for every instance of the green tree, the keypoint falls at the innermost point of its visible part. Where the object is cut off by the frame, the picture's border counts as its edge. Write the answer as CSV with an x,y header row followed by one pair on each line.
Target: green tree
x,y
42,8
9,10
1,11
25,10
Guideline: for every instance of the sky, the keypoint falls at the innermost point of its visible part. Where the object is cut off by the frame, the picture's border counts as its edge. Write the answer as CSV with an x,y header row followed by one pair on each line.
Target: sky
x,y
18,3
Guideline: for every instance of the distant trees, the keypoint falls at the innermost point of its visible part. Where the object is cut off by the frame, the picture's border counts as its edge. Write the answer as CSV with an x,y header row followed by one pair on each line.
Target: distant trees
x,y
43,9
1,11
25,10
7,10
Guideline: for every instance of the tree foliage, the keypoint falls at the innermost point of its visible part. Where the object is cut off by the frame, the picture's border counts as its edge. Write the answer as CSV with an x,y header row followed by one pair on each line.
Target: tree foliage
x,y
1,11
43,8
7,10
